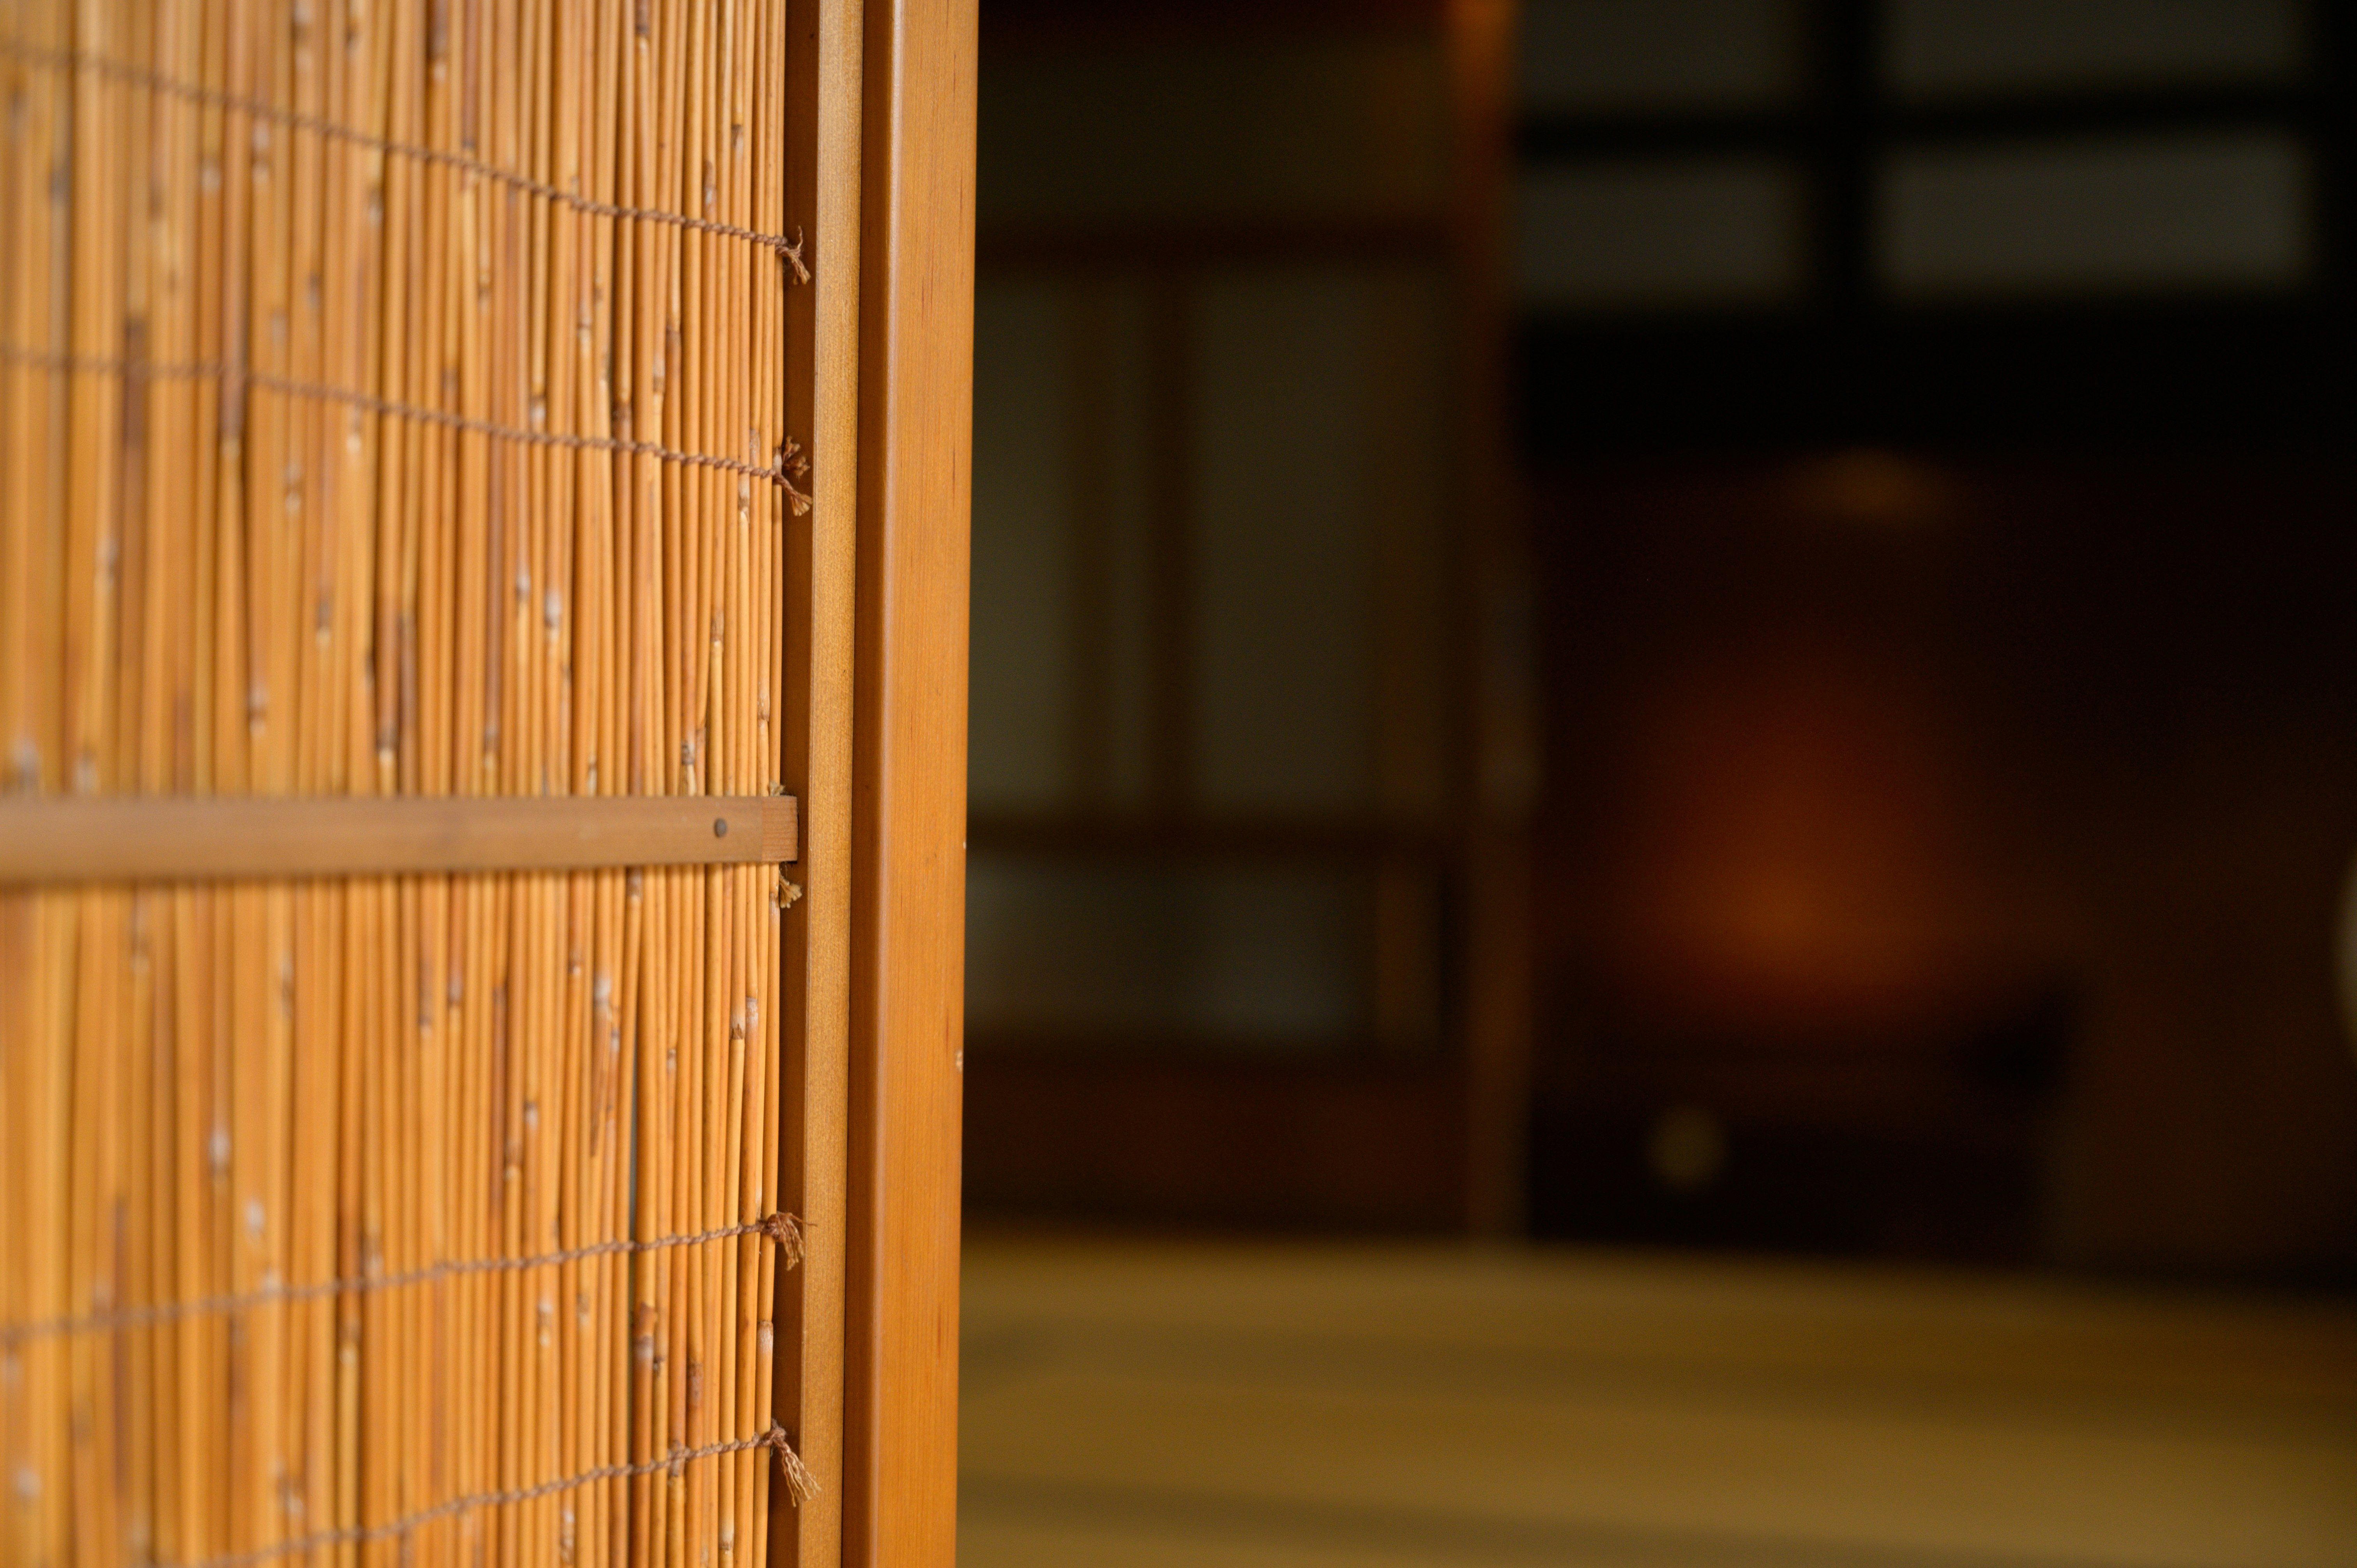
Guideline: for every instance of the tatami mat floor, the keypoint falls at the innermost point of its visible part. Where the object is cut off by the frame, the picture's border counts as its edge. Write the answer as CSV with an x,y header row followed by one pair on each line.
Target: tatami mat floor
x,y
1133,1405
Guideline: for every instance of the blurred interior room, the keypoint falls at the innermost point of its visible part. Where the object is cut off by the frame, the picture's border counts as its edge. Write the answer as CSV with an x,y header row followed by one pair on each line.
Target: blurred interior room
x,y
1664,763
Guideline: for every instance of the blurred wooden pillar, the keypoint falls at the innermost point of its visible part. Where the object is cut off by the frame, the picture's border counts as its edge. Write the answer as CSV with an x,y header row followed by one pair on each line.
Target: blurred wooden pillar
x,y
916,408
1499,779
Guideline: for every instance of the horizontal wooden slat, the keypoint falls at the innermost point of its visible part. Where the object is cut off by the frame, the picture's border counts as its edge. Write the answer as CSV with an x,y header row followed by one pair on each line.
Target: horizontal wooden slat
x,y
1353,1141
1330,839
181,839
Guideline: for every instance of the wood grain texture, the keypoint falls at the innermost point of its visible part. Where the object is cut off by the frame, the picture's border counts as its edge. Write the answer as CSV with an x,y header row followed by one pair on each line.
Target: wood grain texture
x,y
822,110
217,839
908,820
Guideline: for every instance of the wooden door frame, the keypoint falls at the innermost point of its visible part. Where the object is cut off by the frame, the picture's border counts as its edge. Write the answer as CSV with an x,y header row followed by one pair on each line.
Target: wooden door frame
x,y
822,105
908,763
880,99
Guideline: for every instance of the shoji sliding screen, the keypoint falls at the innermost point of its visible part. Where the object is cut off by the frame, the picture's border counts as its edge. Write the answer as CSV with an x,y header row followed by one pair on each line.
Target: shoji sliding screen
x,y
429,455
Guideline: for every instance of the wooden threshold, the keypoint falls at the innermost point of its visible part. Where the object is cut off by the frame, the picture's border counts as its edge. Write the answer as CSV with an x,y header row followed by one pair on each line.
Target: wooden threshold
x,y
250,837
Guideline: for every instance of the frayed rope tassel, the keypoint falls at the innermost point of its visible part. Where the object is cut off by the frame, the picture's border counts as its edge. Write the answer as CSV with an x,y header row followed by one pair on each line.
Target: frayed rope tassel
x,y
800,1483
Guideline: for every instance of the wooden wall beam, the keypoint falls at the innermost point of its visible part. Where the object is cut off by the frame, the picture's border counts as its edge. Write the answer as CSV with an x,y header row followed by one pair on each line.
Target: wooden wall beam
x,y
909,782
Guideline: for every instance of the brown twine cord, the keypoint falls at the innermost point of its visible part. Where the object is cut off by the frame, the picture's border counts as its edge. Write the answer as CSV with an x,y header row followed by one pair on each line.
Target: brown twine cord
x,y
800,1485
463,162
781,1228
791,462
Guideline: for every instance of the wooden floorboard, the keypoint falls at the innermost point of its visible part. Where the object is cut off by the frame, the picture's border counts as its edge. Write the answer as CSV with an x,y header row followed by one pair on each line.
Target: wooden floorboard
x,y
1128,1403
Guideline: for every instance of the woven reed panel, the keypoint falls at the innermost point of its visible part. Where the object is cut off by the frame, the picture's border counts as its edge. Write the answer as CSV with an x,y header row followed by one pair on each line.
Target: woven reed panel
x,y
390,404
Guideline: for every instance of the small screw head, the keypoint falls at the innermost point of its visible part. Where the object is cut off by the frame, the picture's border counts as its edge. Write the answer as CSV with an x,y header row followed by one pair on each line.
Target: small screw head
x,y
720,827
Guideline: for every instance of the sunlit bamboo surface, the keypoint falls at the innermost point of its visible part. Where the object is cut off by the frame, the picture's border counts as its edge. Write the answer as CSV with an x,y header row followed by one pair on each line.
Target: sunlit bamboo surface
x,y
366,428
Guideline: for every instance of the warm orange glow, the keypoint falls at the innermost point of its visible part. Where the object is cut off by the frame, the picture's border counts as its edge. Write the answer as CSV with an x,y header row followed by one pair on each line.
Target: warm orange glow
x,y
1868,488
1792,858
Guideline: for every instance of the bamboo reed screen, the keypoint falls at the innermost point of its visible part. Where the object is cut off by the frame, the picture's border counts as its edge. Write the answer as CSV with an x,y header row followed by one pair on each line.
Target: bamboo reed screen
x,y
390,404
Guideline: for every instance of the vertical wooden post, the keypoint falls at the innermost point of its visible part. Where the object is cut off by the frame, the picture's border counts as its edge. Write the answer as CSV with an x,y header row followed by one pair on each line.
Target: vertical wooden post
x,y
823,52
909,782
1502,753
1170,521
1091,322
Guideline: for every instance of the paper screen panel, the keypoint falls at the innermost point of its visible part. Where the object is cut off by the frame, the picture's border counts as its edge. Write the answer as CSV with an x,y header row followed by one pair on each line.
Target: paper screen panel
x,y
390,403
